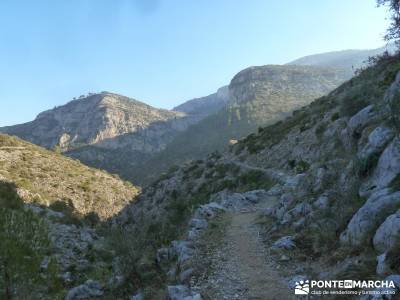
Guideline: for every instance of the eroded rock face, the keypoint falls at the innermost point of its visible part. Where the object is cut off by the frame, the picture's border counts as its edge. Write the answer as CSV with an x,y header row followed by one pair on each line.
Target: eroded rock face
x,y
368,218
181,292
386,171
377,140
96,120
361,119
387,237
89,290
286,242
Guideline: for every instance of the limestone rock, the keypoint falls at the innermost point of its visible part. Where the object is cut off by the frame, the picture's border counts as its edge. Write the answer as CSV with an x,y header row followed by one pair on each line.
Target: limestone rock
x,y
377,140
89,290
387,169
383,266
387,237
178,292
367,219
286,242
361,119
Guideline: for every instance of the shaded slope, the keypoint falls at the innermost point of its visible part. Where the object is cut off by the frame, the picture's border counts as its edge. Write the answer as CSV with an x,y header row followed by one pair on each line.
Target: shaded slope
x,y
207,105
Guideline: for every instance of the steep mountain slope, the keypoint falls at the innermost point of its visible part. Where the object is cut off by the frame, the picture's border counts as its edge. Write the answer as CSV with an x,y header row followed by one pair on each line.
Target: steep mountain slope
x,y
324,182
103,130
205,106
50,207
95,120
258,96
350,60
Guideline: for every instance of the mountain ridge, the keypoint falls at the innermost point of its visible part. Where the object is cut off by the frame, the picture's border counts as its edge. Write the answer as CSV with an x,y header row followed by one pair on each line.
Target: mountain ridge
x,y
258,96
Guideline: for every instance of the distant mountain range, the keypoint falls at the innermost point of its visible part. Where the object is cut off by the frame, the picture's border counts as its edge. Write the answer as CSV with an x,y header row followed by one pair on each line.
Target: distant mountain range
x,y
350,60
137,141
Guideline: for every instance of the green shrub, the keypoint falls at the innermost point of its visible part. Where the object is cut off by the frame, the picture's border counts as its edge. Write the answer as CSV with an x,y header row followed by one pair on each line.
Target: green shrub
x,y
395,108
335,116
253,179
302,166
92,219
319,131
8,196
24,244
352,105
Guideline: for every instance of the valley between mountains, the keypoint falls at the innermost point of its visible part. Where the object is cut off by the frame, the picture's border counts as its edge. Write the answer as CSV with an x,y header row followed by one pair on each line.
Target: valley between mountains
x,y
288,173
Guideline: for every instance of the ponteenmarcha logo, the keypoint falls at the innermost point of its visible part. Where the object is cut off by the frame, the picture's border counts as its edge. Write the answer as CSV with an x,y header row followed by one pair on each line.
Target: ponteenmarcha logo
x,y
302,287
344,287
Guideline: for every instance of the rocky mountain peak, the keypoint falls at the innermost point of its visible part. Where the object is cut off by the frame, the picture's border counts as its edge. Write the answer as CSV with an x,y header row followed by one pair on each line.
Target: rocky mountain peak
x,y
270,79
90,120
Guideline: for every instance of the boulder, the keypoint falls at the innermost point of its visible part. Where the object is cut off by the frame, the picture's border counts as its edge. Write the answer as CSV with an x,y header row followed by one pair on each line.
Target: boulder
x,y
163,255
194,297
178,292
232,201
385,293
138,296
300,210
198,224
279,212
367,219
287,200
383,265
184,251
377,141
393,90
256,196
387,237
44,265
276,190
361,119
394,277
89,290
387,169
209,210
322,202
321,179
286,242
185,275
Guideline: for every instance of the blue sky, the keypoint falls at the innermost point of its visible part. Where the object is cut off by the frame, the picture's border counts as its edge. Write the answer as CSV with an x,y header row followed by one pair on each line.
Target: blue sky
x,y
161,52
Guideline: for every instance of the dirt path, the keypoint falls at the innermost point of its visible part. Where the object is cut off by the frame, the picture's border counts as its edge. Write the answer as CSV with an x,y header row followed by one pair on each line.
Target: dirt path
x,y
240,266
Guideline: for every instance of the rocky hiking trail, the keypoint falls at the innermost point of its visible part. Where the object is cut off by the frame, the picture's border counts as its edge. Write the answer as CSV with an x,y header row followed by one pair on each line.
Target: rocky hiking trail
x,y
224,255
243,269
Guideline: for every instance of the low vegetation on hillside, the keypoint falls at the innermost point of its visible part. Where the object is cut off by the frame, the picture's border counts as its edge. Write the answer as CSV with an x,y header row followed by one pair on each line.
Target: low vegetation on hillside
x,y
47,178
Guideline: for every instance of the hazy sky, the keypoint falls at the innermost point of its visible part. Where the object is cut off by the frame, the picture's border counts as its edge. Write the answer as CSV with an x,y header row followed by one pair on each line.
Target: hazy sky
x,y
162,52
